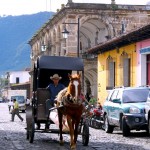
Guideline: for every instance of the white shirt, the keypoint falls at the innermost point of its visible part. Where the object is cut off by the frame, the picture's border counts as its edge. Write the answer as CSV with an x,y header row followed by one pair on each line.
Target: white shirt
x,y
10,103
28,101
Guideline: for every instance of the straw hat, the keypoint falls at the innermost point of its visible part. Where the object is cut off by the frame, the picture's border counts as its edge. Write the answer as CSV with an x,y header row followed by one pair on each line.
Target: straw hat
x,y
55,76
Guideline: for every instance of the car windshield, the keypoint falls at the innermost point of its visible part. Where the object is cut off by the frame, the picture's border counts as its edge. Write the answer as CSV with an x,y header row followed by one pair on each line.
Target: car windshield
x,y
135,95
20,99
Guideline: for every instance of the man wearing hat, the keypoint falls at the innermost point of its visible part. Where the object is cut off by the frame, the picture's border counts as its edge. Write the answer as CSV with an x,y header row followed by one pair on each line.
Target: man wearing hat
x,y
55,87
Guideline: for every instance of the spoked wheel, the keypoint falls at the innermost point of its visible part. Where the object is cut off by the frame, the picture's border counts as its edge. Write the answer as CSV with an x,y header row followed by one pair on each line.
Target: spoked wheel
x,y
85,134
31,132
28,120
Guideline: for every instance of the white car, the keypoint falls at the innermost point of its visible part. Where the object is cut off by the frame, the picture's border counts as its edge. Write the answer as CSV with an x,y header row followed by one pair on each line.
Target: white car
x,y
147,112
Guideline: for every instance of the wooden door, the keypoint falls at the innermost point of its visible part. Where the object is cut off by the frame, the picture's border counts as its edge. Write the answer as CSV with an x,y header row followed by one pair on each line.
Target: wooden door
x,y
148,69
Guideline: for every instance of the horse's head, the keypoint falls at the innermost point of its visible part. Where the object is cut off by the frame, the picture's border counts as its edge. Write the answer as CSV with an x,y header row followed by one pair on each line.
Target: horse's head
x,y
74,88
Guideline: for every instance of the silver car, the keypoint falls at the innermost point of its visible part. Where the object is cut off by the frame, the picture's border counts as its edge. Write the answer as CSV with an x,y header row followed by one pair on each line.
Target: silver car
x,y
147,112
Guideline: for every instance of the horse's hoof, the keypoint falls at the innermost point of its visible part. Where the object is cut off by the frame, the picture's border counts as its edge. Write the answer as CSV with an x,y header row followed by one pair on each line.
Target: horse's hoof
x,y
61,143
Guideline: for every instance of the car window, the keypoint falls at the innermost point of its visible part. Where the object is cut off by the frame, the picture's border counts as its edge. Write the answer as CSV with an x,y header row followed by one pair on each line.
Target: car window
x,y
20,99
148,99
114,95
135,95
109,95
119,95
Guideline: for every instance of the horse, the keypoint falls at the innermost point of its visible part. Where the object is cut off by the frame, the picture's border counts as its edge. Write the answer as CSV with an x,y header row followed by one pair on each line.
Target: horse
x,y
72,108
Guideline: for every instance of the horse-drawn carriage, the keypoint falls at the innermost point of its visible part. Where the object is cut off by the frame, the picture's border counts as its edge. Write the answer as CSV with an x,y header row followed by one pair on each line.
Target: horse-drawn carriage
x,y
44,67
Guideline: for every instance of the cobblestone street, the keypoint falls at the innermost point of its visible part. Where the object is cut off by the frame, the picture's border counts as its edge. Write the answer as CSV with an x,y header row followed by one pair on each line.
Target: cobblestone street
x,y
13,137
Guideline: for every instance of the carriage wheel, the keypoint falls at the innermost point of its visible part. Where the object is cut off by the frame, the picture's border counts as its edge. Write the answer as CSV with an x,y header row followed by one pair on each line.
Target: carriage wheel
x,y
31,132
27,135
85,134
28,120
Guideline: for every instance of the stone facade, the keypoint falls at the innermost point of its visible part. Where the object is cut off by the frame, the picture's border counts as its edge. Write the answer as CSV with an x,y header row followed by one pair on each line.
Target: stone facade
x,y
97,24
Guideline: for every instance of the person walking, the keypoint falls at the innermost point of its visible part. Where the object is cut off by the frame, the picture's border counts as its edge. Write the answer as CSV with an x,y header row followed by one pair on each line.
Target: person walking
x,y
27,102
10,105
15,111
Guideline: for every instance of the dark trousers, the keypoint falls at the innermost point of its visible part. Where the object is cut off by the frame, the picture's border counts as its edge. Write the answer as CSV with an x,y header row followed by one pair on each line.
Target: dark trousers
x,y
16,112
9,107
49,104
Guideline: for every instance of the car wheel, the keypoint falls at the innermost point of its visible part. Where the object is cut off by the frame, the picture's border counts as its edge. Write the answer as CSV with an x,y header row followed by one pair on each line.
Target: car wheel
x,y
108,127
149,126
125,128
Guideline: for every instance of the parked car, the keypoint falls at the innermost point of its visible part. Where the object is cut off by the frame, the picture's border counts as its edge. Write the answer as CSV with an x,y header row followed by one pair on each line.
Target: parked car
x,y
125,108
147,112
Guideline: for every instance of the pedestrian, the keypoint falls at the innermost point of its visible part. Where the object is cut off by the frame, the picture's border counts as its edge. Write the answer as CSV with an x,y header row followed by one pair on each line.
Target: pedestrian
x,y
15,111
87,96
93,101
10,105
27,102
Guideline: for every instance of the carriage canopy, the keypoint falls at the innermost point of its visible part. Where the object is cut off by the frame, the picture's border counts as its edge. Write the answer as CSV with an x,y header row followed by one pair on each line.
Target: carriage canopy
x,y
46,66
60,63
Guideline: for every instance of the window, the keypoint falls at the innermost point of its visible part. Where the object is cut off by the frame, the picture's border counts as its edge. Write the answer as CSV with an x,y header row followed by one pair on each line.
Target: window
x,y
114,95
125,69
110,73
126,72
135,96
17,80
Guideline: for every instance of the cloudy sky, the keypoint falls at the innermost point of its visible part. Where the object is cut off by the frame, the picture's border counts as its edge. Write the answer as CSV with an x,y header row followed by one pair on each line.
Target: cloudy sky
x,y
19,7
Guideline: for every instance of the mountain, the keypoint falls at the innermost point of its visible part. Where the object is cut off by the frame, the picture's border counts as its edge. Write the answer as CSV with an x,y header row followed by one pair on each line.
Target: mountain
x,y
15,32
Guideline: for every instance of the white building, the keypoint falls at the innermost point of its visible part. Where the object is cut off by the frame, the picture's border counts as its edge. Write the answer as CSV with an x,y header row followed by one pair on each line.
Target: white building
x,y
18,77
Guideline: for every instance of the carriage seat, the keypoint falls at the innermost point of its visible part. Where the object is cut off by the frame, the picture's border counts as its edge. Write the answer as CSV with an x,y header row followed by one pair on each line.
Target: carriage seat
x,y
43,95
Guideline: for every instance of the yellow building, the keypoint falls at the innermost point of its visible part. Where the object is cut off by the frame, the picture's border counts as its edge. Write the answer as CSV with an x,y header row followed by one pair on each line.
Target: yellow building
x,y
116,68
119,60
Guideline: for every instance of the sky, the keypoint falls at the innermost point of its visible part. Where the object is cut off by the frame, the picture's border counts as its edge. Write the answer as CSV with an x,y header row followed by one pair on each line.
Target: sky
x,y
20,7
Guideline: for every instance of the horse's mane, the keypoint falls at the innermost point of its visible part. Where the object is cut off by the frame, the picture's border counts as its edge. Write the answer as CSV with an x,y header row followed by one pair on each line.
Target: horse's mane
x,y
64,96
60,95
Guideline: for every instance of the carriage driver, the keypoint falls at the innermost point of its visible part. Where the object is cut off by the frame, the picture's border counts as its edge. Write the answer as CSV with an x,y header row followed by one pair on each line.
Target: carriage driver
x,y
54,89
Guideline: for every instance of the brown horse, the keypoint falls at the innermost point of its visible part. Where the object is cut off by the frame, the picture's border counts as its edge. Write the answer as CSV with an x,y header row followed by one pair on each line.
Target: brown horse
x,y
72,108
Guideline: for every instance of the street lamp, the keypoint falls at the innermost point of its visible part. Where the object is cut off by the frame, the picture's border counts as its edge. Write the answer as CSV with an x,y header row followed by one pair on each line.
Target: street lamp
x,y
43,48
65,35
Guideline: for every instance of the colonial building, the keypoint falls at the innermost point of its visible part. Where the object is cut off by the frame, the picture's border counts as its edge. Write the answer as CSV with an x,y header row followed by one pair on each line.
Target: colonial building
x,y
124,61
89,25
19,77
19,80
